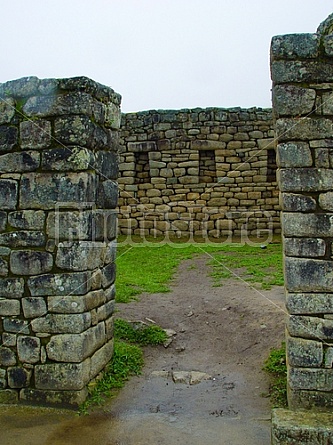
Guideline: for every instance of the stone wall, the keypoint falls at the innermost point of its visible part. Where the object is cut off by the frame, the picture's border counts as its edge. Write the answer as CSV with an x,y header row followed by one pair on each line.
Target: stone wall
x,y
203,172
302,73
58,166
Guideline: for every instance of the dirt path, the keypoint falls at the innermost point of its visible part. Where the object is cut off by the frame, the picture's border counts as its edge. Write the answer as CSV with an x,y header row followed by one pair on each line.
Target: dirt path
x,y
225,332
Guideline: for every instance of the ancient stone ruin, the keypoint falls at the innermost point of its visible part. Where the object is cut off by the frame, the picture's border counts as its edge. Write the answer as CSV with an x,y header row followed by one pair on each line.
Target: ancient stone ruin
x,y
198,172
302,73
58,194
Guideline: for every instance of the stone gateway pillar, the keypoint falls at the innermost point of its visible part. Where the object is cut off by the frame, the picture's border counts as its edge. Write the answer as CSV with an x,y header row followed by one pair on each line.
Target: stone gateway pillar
x,y
58,194
302,73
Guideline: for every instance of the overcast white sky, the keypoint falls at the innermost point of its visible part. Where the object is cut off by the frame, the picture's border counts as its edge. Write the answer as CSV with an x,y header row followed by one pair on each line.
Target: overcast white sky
x,y
155,53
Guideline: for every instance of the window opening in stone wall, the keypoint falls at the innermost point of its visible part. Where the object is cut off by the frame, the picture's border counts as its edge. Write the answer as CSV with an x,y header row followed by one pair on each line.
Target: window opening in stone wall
x,y
207,166
271,165
142,173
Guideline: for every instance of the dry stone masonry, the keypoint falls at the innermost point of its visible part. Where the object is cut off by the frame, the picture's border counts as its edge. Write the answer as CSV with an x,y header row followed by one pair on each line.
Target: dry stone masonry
x,y
302,73
204,172
58,194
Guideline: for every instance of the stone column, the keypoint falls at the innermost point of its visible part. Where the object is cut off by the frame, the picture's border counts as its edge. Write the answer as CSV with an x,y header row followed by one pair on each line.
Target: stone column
x,y
58,192
302,73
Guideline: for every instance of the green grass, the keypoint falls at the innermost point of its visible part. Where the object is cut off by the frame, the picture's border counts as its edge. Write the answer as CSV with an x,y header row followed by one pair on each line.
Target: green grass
x,y
150,268
143,335
276,366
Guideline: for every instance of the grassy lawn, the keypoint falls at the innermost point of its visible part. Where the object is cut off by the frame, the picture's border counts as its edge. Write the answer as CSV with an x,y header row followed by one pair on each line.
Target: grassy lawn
x,y
150,268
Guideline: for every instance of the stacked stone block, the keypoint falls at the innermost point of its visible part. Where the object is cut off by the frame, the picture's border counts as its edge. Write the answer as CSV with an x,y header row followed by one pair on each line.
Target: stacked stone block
x,y
201,172
302,73
58,194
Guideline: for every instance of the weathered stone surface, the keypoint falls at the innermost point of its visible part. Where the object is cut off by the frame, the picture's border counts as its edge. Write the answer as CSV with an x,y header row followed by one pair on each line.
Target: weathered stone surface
x,y
34,307
108,195
326,201
9,307
8,138
60,284
305,179
75,225
311,379
206,145
309,224
303,129
35,134
71,304
18,377
285,71
292,202
7,357
9,339
108,275
293,100
62,376
304,353
309,303
328,45
11,287
3,221
47,397
106,164
79,130
307,275
181,376
101,358
28,349
310,327
7,110
19,87
76,347
301,428
46,190
67,159
19,162
105,224
8,194
304,247
30,262
23,238
27,219
16,325
294,46
294,154
80,255
62,323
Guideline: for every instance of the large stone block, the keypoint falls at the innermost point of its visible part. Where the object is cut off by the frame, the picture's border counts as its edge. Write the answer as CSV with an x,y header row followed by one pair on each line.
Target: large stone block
x,y
27,219
17,162
294,154
35,134
292,202
326,201
75,225
30,262
16,326
305,247
23,238
60,284
80,255
7,356
62,323
18,377
101,358
309,303
294,46
310,327
62,376
71,304
308,225
48,397
8,138
11,287
34,307
28,349
303,129
301,71
291,100
8,194
106,164
108,195
311,379
304,353
76,347
80,130
9,307
67,159
307,275
47,190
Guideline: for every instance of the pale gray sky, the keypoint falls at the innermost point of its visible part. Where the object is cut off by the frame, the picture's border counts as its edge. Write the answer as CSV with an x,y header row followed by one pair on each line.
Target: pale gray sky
x,y
155,53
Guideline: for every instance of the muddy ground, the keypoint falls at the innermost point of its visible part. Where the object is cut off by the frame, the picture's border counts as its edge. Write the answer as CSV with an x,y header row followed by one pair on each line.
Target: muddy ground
x,y
225,332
